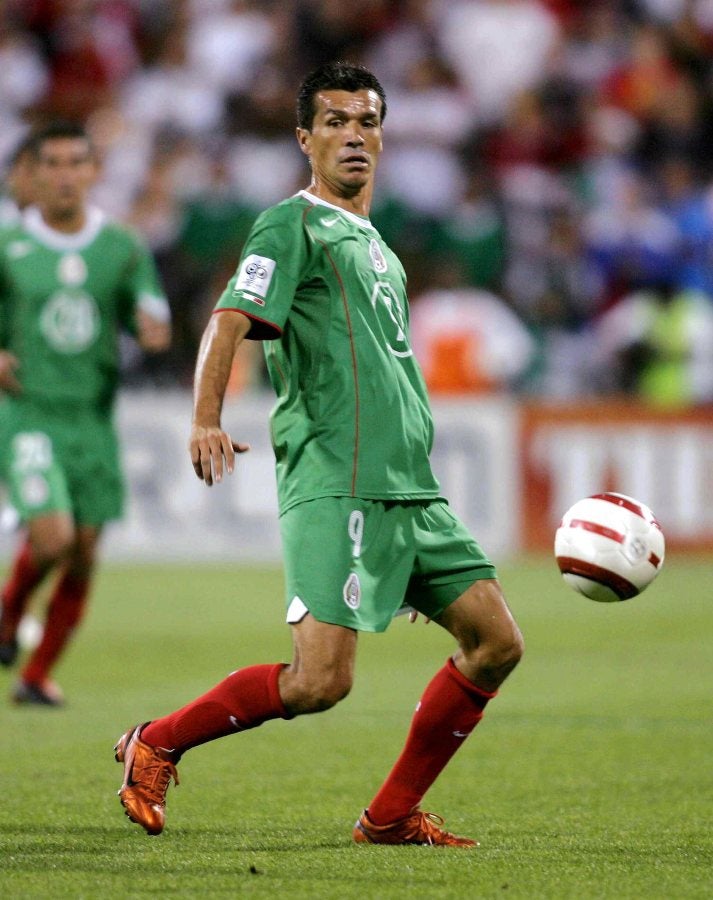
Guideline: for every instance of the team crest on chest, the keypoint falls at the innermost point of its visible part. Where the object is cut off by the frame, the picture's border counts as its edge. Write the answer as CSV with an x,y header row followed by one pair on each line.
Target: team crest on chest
x,y
72,270
378,260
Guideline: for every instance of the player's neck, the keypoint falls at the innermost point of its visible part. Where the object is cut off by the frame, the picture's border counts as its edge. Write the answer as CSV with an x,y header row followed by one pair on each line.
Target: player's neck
x,y
359,203
65,222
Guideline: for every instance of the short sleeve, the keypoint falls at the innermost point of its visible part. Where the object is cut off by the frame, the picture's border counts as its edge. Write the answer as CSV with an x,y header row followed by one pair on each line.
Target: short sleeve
x,y
274,262
141,289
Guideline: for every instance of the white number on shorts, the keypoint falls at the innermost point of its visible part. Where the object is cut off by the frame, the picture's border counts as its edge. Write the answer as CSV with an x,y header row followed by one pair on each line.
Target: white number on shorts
x,y
356,531
32,451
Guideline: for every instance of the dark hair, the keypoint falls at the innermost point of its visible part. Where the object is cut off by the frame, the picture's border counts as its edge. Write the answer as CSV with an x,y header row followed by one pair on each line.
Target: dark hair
x,y
335,76
56,130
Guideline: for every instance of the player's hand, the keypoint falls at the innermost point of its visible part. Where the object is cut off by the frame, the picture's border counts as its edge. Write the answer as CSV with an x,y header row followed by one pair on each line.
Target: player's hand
x,y
8,365
413,615
154,335
209,448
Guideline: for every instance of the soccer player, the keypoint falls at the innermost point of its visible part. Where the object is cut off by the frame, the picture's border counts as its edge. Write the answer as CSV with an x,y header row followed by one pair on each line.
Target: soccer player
x,y
364,528
69,281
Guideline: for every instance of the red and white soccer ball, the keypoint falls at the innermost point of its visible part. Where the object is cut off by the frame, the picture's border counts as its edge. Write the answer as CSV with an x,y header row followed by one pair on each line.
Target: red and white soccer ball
x,y
609,547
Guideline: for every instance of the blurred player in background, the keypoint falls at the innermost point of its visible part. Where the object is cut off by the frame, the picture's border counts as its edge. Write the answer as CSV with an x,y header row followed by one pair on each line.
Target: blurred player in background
x,y
363,526
69,281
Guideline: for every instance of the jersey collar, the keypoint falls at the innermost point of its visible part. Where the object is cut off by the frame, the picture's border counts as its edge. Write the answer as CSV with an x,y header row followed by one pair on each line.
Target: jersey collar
x,y
58,240
353,217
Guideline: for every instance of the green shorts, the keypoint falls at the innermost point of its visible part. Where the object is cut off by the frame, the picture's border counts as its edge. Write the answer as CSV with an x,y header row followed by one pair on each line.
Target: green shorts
x,y
357,562
60,460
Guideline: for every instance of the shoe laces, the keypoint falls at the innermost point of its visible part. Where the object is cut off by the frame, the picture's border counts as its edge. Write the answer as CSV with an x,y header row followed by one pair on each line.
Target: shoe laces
x,y
156,775
427,828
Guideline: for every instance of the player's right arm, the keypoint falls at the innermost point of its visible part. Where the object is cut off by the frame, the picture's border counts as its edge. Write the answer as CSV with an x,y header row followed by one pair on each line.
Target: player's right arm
x,y
209,444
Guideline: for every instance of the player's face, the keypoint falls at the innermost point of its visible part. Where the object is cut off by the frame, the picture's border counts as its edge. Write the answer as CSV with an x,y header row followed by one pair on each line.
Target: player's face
x,y
345,141
64,172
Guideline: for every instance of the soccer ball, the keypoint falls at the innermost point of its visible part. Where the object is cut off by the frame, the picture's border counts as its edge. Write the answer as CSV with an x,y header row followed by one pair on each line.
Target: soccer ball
x,y
609,547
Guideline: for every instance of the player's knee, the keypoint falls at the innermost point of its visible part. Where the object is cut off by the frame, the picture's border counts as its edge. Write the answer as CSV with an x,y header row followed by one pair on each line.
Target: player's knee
x,y
502,654
325,692
51,548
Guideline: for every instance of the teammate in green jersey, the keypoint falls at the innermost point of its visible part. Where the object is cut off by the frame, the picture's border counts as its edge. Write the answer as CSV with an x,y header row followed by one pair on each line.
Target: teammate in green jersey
x,y
364,528
69,281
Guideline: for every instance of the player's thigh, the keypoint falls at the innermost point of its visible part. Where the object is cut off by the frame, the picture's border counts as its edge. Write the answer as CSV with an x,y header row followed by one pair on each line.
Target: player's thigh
x,y
347,561
448,559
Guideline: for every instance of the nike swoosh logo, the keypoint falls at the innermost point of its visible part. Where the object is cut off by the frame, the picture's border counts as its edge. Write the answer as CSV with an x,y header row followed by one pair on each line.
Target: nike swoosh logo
x,y
328,223
234,722
461,734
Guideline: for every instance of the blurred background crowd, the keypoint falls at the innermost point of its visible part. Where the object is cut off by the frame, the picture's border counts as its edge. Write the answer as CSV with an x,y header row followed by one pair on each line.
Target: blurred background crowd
x,y
547,177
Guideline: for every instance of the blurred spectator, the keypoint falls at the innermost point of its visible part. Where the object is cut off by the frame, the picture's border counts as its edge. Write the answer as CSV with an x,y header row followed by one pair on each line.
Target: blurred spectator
x,y
227,44
690,206
596,45
473,230
631,241
168,92
561,149
498,48
657,345
466,339
430,101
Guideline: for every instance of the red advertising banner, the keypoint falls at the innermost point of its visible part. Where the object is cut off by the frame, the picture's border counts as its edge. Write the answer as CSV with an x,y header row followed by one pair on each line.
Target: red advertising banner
x,y
665,460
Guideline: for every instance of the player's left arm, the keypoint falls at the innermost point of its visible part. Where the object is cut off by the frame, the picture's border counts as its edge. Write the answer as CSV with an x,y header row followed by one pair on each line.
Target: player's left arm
x,y
147,313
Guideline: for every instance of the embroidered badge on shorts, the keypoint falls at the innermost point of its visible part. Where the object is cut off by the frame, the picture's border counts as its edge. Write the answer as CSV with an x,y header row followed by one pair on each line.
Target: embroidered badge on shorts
x,y
352,591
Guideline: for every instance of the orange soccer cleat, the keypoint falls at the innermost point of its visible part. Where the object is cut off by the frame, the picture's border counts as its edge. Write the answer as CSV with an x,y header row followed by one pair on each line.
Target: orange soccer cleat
x,y
147,774
417,828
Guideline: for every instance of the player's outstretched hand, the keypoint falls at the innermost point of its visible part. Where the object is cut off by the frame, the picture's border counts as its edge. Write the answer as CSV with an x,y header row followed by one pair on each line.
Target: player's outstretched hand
x,y
8,381
209,447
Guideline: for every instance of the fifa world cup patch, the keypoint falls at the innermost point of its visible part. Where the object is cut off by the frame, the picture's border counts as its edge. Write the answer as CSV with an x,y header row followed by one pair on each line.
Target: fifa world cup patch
x,y
352,591
255,275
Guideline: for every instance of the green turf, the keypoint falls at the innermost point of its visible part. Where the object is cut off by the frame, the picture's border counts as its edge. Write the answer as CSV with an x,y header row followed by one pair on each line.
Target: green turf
x,y
590,776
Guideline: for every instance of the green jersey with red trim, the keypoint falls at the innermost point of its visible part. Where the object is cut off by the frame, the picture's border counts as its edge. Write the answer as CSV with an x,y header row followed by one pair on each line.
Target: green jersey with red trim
x,y
329,298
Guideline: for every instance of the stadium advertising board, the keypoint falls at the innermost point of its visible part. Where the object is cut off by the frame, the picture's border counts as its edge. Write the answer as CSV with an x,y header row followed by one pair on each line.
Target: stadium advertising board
x,y
510,471
665,459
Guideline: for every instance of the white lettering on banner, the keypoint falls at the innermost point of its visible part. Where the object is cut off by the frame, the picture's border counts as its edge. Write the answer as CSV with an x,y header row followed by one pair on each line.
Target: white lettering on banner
x,y
668,466
171,515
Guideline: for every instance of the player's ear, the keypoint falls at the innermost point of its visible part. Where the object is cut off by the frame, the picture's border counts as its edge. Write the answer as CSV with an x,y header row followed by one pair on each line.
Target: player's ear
x,y
304,139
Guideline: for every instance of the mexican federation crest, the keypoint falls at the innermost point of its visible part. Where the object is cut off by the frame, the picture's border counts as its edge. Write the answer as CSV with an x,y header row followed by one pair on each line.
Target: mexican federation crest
x,y
378,260
352,591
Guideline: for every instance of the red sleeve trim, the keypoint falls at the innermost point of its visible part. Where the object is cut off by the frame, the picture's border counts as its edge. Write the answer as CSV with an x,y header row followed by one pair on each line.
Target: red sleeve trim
x,y
261,329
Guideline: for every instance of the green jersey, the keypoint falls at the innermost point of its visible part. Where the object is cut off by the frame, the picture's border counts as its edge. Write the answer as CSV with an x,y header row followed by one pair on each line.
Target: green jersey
x,y
352,417
63,299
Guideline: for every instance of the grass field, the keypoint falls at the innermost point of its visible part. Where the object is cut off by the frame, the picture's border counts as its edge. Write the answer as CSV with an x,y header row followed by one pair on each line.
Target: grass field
x,y
591,775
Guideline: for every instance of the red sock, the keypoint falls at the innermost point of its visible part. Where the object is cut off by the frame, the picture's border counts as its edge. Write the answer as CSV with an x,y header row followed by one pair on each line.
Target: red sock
x,y
24,578
449,710
64,613
243,700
